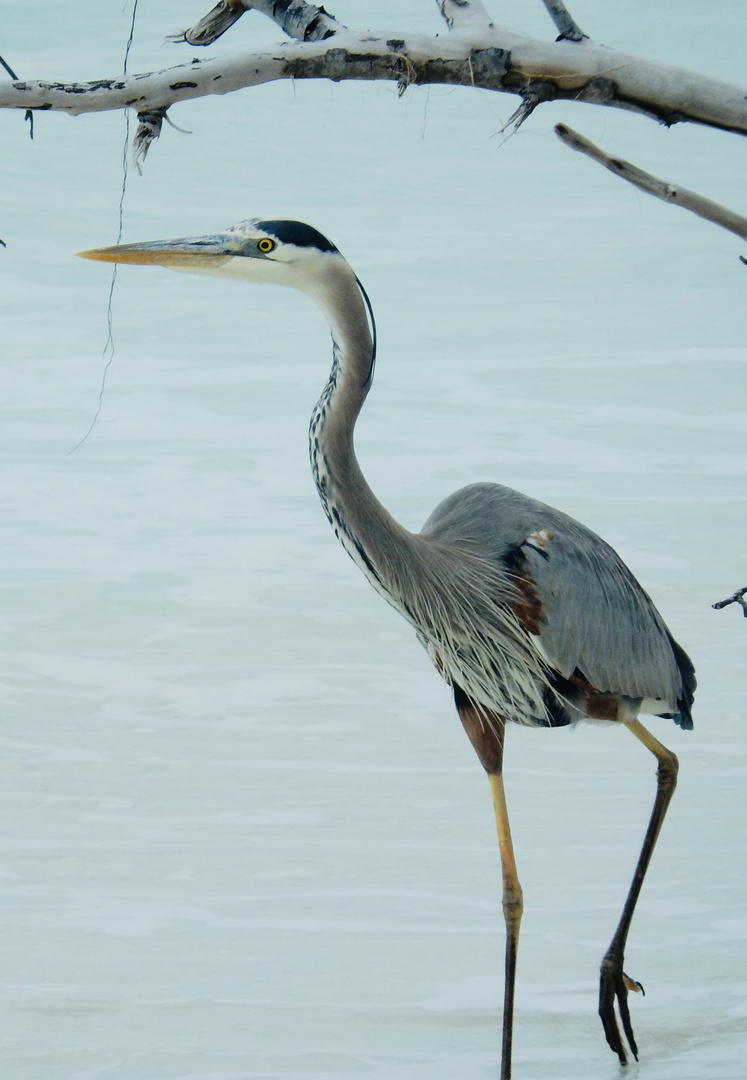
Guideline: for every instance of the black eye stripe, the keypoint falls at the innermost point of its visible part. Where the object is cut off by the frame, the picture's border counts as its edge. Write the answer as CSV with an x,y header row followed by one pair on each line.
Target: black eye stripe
x,y
298,233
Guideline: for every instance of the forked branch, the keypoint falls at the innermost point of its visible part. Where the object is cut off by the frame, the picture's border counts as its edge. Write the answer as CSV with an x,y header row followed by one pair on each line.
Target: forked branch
x,y
735,598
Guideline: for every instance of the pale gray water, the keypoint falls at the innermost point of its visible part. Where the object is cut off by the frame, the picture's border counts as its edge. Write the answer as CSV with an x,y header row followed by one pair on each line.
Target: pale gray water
x,y
244,835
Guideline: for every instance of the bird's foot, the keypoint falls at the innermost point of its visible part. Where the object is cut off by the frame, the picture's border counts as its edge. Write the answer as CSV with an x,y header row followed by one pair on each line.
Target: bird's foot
x,y
614,985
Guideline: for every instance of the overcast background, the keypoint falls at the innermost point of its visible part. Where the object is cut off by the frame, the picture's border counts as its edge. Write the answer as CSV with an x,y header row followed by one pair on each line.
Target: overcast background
x,y
244,836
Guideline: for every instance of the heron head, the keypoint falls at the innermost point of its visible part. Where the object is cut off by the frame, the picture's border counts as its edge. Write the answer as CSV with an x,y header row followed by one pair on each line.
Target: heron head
x,y
276,251
263,250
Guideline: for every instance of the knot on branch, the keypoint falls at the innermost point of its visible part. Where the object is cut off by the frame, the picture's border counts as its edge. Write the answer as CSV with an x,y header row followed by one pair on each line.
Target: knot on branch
x,y
531,96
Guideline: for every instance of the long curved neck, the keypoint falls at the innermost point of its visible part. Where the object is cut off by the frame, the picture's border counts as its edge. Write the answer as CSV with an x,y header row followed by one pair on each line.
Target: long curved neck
x,y
458,601
363,526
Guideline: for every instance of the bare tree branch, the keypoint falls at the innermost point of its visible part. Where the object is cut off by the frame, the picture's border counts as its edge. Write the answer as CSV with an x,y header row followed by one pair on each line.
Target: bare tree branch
x,y
652,185
477,54
567,26
736,598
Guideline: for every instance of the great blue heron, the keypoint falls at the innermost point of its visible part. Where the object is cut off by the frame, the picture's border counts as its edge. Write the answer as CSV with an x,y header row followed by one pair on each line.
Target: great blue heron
x,y
527,614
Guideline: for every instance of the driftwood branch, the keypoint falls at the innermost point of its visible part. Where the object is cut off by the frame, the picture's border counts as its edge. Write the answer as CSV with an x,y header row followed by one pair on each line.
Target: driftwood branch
x,y
568,28
736,598
476,53
652,185
492,58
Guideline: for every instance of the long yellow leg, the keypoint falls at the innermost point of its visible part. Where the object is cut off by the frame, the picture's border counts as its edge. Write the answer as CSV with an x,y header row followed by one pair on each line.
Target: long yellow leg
x,y
513,906
487,740
612,982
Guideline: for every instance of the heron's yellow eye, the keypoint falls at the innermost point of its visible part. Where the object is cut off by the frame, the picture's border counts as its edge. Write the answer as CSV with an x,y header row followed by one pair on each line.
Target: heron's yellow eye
x,y
265,245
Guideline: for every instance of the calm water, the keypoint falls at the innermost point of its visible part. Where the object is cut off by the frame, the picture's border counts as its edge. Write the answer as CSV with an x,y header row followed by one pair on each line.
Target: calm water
x,y
244,835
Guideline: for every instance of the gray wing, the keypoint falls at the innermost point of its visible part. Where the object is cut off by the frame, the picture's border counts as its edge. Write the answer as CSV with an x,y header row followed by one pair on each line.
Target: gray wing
x,y
595,621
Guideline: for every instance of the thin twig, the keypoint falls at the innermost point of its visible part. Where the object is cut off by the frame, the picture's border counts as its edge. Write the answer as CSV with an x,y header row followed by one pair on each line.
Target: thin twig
x,y
652,185
736,598
564,21
28,115
8,68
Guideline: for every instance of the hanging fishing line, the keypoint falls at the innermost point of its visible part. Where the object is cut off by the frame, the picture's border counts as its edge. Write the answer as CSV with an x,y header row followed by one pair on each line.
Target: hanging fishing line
x,y
108,352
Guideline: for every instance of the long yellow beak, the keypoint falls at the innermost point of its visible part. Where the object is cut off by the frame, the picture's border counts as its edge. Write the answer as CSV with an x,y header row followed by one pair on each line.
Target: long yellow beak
x,y
201,251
